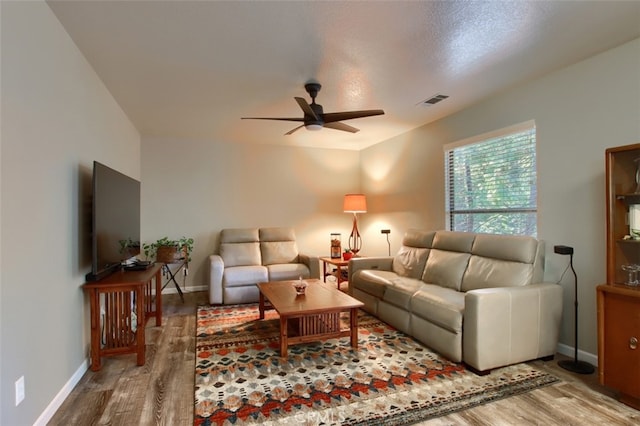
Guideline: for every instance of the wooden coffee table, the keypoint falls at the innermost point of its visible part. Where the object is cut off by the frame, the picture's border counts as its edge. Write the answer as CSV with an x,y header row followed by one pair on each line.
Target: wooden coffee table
x,y
310,317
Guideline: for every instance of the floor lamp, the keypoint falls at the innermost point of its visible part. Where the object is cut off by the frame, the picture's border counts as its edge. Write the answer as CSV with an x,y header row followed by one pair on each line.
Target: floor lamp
x,y
355,203
387,232
575,366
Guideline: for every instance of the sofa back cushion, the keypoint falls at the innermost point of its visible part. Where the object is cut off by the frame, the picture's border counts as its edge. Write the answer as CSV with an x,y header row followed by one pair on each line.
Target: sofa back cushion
x,y
448,259
446,268
240,247
409,261
454,241
418,238
501,261
278,245
411,258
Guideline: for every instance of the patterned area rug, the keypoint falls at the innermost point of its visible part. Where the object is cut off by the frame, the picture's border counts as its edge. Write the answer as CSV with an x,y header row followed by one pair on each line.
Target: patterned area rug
x,y
389,380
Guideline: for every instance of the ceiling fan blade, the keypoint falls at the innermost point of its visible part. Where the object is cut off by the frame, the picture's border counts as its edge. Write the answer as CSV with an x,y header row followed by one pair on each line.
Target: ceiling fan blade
x,y
341,126
306,108
348,115
293,130
272,118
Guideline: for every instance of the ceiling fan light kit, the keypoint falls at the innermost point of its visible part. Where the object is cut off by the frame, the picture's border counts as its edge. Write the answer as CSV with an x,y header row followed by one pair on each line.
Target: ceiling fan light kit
x,y
313,127
314,117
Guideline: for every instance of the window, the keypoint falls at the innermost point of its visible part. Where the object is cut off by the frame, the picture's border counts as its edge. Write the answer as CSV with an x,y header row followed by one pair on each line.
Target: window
x,y
491,182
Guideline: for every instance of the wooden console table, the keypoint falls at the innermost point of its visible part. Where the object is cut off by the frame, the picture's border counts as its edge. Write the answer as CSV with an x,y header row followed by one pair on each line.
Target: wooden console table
x,y
121,304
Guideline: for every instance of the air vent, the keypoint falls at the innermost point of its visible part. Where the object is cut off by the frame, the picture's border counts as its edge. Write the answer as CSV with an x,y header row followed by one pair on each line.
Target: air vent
x,y
433,100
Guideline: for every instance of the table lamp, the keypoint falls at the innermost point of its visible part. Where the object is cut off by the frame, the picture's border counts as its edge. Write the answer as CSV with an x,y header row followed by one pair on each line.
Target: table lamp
x,y
355,203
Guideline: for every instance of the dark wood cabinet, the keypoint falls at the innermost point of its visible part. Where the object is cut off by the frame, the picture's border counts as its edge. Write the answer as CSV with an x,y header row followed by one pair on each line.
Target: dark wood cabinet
x,y
619,341
619,302
620,173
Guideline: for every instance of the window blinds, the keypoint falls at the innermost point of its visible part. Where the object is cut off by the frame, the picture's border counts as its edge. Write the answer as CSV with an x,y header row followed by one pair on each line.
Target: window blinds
x,y
491,184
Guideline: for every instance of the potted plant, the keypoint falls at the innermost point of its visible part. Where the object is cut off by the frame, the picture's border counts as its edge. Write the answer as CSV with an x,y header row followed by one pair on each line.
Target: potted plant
x,y
347,255
169,251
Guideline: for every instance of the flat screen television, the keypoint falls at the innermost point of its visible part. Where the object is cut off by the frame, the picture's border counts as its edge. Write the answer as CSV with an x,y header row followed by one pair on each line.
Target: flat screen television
x,y
115,233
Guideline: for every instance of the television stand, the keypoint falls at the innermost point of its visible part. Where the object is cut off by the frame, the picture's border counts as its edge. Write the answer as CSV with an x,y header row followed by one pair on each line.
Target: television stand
x,y
121,304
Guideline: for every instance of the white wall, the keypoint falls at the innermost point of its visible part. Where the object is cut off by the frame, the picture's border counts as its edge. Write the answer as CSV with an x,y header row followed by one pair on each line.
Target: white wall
x,y
57,117
196,188
404,179
579,112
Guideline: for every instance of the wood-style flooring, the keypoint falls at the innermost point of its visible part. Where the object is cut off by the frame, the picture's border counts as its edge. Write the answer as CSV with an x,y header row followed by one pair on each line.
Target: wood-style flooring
x,y
161,391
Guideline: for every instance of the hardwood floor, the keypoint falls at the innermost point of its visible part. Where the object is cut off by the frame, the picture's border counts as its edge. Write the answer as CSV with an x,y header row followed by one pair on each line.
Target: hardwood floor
x,y
161,391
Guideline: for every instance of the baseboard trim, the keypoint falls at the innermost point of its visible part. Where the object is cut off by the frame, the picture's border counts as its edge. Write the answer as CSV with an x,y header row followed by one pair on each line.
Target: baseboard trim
x,y
192,289
582,355
55,404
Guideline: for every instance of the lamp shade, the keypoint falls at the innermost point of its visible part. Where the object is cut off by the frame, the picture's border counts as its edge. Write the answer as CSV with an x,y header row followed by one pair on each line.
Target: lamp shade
x,y
355,203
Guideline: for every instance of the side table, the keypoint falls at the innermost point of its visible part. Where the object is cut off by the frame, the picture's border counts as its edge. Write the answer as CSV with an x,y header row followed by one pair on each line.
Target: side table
x,y
339,263
121,304
171,274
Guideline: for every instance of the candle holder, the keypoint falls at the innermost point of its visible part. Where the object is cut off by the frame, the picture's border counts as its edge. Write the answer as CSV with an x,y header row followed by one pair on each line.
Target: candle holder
x,y
632,274
300,286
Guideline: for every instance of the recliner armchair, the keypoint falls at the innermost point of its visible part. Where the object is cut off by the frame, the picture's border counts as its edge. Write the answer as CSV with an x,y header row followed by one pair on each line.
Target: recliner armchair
x,y
248,256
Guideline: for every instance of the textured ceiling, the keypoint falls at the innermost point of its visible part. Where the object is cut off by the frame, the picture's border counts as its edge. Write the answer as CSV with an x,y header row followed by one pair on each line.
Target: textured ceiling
x,y
191,69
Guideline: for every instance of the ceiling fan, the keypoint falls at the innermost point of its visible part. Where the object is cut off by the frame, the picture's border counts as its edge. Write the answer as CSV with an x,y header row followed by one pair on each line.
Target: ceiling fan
x,y
314,117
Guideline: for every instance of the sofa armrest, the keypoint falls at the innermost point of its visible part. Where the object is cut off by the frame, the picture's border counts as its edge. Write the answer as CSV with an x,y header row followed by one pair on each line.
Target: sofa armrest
x,y
361,263
216,270
313,263
507,325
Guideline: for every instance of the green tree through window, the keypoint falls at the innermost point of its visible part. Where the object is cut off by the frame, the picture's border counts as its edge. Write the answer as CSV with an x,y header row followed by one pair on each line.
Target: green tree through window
x,y
491,184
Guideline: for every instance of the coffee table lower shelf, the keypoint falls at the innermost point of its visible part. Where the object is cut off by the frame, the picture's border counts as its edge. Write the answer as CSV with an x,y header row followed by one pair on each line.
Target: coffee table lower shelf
x,y
312,328
306,327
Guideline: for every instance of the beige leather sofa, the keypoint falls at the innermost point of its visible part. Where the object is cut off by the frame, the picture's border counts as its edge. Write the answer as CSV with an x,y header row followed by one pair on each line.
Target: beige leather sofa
x,y
248,256
474,298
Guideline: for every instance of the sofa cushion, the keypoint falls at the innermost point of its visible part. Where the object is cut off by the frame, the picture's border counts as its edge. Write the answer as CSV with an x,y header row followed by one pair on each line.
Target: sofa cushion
x,y
417,238
500,261
243,275
446,268
453,241
277,234
410,261
516,248
240,254
239,235
441,306
400,291
487,273
287,271
372,281
276,252
240,247
278,245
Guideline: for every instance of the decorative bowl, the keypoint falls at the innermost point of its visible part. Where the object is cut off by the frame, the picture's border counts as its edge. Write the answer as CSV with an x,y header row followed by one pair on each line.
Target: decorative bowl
x,y
300,286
